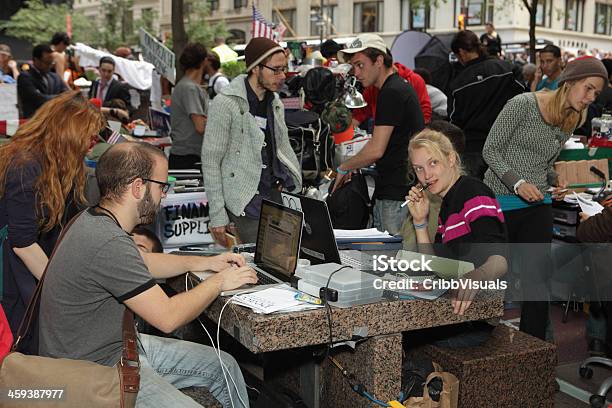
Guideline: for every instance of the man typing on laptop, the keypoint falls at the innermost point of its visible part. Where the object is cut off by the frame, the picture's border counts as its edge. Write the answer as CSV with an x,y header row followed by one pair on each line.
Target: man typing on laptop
x,y
85,295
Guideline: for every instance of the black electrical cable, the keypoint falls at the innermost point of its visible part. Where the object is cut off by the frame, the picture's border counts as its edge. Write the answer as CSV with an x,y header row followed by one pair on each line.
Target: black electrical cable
x,y
358,388
328,307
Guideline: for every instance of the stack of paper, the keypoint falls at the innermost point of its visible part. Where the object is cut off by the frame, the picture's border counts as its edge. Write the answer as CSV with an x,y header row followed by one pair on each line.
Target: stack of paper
x,y
573,197
371,233
276,299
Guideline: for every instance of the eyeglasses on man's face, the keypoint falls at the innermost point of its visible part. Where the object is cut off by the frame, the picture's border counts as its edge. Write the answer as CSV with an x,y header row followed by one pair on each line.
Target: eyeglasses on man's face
x,y
277,70
165,186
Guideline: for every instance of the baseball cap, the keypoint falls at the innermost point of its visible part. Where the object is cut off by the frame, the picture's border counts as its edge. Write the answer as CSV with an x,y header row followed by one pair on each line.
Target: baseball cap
x,y
5,49
360,43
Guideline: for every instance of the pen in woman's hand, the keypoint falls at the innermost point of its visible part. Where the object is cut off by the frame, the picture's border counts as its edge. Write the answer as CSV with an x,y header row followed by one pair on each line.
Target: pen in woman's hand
x,y
420,189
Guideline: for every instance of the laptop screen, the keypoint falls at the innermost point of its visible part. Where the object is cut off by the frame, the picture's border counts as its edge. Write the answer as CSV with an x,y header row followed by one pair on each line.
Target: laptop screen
x,y
318,241
278,239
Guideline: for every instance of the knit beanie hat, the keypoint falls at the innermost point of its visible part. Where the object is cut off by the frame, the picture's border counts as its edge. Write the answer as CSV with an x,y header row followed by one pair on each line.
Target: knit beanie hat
x,y
583,67
258,49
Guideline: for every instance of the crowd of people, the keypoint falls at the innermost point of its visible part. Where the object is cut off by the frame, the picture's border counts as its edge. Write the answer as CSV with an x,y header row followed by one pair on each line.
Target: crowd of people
x,y
55,68
479,171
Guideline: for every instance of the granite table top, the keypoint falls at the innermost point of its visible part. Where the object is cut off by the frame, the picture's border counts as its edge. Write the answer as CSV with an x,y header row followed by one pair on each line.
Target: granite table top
x,y
263,333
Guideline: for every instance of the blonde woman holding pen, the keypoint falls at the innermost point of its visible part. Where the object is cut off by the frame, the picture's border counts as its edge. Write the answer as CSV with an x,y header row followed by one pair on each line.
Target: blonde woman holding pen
x,y
469,214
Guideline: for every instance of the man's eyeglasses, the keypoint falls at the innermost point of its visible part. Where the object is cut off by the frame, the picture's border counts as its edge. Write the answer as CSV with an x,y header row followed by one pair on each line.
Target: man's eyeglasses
x,y
165,186
277,71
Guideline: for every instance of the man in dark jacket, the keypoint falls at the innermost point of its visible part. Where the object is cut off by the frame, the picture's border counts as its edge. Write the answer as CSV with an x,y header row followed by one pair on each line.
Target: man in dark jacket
x,y
107,88
477,95
39,84
598,229
491,40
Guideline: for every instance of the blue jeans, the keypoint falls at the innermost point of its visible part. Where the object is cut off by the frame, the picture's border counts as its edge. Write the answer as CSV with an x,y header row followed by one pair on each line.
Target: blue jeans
x,y
388,215
167,365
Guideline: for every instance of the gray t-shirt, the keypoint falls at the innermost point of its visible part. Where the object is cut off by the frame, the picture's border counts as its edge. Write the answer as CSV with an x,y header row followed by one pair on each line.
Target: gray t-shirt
x,y
187,99
95,269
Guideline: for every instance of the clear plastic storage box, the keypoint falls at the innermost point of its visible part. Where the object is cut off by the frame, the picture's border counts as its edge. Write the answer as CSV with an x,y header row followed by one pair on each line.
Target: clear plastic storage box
x,y
354,286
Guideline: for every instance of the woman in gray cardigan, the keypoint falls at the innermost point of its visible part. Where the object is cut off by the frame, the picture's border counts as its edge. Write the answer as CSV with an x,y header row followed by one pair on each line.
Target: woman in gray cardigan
x,y
521,148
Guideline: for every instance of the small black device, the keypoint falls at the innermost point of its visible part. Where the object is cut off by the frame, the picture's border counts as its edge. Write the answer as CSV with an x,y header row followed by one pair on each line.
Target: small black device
x,y
328,294
244,248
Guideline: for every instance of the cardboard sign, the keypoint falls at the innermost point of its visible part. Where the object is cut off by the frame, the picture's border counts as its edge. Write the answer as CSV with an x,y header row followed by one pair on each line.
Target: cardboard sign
x,y
160,121
183,220
158,54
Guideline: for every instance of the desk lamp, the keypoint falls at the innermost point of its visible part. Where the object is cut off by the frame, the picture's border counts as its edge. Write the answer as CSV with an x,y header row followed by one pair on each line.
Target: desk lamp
x,y
353,99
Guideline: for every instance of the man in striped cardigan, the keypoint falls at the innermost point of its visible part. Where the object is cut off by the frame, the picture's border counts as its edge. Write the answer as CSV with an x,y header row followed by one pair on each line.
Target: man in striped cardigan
x,y
246,154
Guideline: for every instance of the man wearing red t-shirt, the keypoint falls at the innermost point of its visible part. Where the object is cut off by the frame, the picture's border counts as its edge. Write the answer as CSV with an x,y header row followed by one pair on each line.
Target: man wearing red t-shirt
x,y
371,93
397,119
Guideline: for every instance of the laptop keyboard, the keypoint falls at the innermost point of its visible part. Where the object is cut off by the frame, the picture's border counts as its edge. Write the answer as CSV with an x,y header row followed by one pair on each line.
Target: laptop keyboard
x,y
263,279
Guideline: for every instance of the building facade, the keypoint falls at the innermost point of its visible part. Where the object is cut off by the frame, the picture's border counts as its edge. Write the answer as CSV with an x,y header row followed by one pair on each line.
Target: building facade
x,y
571,24
94,10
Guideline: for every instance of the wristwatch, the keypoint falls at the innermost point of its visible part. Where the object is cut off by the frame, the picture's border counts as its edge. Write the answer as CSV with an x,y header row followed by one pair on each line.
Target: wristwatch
x,y
517,185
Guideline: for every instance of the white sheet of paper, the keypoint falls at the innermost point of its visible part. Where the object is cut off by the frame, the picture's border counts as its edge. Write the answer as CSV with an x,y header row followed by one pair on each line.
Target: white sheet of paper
x,y
362,233
269,300
589,207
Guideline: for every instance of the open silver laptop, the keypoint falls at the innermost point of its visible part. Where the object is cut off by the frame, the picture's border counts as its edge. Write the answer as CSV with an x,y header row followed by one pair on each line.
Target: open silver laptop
x,y
277,247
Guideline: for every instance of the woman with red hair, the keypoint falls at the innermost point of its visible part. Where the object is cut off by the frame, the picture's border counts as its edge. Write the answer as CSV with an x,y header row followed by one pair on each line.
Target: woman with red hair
x,y
42,174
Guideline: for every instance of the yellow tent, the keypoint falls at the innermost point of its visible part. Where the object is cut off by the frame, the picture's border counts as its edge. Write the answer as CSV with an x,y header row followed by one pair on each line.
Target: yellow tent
x,y
225,53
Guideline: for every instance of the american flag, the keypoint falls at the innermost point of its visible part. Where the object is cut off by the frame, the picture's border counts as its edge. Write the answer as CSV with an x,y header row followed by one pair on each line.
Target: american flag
x,y
261,28
115,138
280,31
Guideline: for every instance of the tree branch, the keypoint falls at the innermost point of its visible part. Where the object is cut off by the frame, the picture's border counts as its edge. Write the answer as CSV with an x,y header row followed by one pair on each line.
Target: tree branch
x,y
527,5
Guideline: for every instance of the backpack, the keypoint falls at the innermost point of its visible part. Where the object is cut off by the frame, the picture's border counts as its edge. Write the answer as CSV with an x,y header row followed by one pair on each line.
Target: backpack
x,y
350,205
312,143
211,88
320,87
